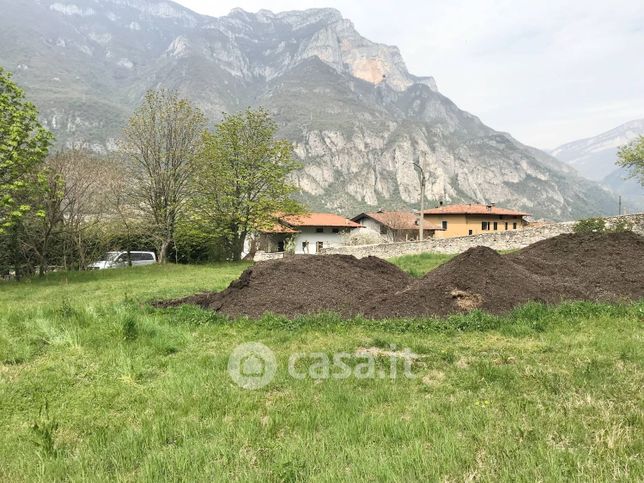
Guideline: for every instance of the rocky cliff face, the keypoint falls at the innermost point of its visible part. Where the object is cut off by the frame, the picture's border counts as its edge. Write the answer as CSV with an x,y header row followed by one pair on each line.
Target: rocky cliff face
x,y
357,117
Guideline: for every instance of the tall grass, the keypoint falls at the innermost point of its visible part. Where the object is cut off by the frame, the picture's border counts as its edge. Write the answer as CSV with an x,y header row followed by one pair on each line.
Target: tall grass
x,y
97,385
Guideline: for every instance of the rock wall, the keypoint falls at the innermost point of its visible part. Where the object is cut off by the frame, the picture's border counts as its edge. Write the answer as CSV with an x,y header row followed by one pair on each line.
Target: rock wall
x,y
261,256
506,240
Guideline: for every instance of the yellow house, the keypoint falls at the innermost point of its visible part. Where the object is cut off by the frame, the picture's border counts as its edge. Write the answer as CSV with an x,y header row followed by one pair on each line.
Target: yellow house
x,y
473,219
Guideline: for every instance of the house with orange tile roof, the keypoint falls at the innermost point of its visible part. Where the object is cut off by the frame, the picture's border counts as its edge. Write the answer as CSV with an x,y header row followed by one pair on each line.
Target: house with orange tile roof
x,y
472,219
308,233
395,225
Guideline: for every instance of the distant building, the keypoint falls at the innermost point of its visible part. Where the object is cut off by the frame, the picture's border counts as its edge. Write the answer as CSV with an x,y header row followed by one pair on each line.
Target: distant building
x,y
395,225
473,219
308,233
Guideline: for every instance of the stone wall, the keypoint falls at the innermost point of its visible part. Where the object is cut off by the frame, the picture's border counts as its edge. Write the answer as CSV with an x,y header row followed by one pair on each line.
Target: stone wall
x,y
261,256
504,240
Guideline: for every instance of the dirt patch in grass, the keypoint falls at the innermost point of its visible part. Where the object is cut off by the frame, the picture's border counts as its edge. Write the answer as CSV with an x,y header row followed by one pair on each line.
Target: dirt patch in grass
x,y
600,267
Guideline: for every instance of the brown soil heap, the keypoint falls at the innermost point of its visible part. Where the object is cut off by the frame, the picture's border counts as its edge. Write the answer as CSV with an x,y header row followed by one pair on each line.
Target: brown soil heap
x,y
567,267
304,284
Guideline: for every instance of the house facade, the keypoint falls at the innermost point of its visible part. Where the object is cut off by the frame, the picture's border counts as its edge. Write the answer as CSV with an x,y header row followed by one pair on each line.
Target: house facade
x,y
395,225
304,234
473,219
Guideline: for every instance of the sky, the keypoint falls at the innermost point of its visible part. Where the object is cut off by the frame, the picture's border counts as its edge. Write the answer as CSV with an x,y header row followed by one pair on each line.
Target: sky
x,y
548,72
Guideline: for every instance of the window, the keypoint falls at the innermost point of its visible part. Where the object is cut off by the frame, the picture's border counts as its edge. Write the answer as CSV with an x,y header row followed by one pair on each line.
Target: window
x,y
496,226
336,230
469,232
485,225
514,226
506,225
383,230
319,230
305,247
444,225
146,256
280,246
319,246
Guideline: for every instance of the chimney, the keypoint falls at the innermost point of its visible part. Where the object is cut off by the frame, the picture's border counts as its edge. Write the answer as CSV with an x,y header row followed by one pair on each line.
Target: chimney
x,y
380,210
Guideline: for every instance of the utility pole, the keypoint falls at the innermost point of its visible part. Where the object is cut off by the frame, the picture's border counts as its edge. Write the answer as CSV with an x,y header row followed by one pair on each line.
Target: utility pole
x,y
421,222
619,212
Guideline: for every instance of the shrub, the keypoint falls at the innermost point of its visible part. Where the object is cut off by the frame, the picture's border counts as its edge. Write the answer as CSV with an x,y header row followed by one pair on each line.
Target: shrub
x,y
192,245
620,226
590,225
599,225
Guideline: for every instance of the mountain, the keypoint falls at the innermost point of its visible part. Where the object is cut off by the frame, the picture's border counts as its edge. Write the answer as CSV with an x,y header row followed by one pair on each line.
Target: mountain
x,y
357,117
594,158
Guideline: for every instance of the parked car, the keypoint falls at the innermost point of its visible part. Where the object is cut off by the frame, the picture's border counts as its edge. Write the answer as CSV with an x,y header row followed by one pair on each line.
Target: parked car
x,y
119,260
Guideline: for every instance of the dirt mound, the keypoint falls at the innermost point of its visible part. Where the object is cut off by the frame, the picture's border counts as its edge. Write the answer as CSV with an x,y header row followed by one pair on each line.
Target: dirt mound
x,y
304,284
605,265
479,278
567,267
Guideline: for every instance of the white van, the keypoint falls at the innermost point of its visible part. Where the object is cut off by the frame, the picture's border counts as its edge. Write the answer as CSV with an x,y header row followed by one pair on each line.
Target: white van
x,y
119,260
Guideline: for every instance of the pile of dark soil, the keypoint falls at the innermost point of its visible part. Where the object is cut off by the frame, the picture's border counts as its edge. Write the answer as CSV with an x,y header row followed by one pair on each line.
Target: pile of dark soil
x,y
478,278
304,284
601,267
604,267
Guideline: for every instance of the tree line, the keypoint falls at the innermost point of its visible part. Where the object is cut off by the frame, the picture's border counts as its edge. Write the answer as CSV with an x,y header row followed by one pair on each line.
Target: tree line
x,y
190,192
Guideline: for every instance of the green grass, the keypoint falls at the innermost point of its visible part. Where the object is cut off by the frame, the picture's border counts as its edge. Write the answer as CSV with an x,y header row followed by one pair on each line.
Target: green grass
x,y
97,385
419,265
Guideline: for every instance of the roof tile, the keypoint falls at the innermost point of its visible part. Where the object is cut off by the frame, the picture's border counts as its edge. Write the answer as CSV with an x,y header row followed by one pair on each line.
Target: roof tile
x,y
319,219
398,220
473,209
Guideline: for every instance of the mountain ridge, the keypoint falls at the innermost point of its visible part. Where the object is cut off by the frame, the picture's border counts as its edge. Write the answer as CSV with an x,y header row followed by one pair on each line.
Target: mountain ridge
x,y
594,157
358,119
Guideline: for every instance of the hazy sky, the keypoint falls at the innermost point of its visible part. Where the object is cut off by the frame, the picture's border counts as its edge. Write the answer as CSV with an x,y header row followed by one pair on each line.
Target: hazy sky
x,y
546,71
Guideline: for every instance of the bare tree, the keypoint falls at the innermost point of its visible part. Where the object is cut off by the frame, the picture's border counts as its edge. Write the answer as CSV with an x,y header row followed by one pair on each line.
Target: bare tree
x,y
85,200
71,202
122,207
160,143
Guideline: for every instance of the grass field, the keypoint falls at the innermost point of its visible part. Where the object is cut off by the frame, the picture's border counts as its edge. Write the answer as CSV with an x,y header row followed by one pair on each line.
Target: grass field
x,y
97,385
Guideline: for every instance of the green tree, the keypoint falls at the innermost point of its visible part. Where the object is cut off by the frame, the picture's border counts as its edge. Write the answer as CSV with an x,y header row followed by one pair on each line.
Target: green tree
x,y
242,178
160,142
23,147
631,156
